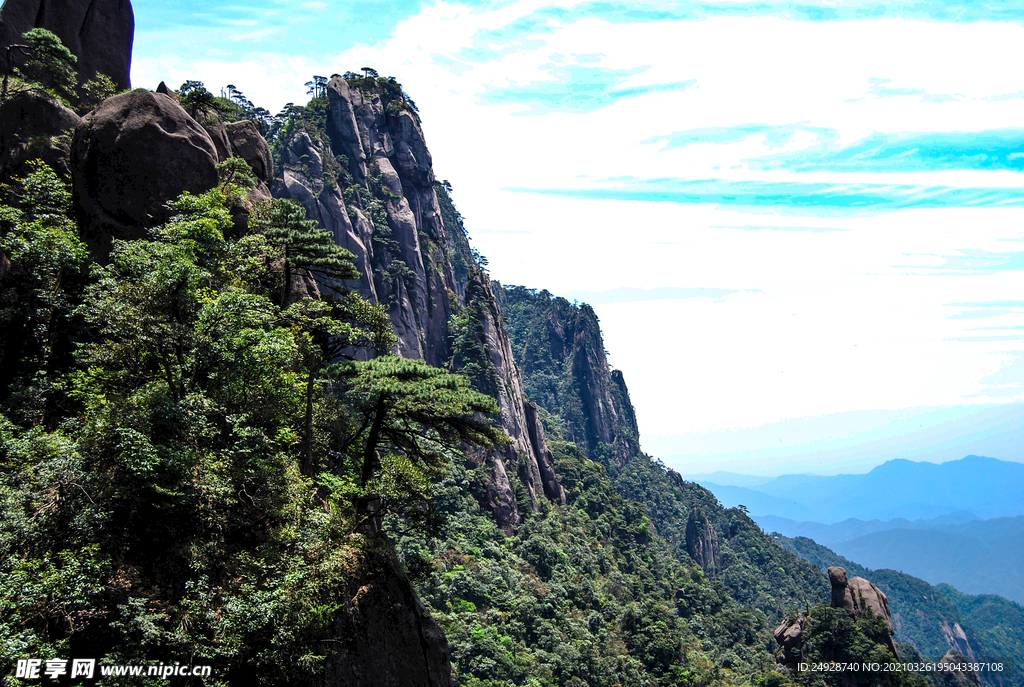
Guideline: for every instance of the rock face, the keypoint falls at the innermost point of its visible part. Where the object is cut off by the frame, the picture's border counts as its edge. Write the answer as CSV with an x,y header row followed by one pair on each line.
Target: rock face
x,y
99,32
561,353
789,637
702,543
384,636
369,180
35,125
954,663
131,156
857,597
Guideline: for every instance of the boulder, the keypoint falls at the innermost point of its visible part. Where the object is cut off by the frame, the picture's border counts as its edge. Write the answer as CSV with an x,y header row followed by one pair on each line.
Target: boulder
x,y
789,637
29,123
857,597
247,142
837,578
99,32
131,156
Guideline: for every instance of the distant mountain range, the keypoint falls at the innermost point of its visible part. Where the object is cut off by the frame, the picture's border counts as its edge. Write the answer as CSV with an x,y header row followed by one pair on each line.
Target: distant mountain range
x,y
960,522
976,556
985,487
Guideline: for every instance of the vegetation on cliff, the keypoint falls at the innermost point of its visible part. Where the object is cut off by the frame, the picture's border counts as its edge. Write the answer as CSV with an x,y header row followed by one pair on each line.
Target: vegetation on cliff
x,y
183,451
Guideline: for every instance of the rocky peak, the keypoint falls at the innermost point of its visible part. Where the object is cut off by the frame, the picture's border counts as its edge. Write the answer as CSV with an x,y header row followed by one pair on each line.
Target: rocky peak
x,y
858,597
99,32
366,176
556,340
702,542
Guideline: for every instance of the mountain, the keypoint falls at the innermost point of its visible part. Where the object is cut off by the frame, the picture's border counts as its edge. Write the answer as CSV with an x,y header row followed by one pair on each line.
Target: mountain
x,y
937,619
970,563
758,502
264,409
986,487
977,556
852,528
727,479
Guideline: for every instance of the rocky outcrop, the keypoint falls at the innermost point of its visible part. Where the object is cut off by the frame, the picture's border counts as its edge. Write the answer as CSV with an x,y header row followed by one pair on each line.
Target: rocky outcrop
x,y
789,635
368,179
702,543
859,598
383,635
559,348
99,32
132,155
957,670
528,450
35,125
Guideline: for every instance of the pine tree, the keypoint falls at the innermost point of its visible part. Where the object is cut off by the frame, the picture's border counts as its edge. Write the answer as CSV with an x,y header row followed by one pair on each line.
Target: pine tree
x,y
305,246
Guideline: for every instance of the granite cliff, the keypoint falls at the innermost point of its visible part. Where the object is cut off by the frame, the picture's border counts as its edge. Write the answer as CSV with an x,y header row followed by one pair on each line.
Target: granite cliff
x,y
359,164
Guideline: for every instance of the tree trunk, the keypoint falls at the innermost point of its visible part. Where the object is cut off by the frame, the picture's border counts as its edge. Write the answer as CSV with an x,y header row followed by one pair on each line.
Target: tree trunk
x,y
370,449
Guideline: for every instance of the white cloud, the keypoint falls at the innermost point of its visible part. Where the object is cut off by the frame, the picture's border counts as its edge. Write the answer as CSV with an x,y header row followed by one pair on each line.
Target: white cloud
x,y
839,325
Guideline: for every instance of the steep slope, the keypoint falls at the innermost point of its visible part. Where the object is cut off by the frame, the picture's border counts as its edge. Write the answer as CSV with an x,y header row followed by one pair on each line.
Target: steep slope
x,y
357,160
565,370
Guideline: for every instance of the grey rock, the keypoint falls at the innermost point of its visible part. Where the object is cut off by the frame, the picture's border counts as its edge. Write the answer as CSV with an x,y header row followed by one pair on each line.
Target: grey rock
x,y
383,635
342,128
789,636
247,142
30,121
859,597
129,158
406,264
702,543
99,32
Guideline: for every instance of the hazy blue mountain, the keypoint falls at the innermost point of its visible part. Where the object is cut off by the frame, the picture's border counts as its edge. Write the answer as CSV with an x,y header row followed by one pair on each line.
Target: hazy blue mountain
x,y
851,528
757,502
976,565
986,487
728,479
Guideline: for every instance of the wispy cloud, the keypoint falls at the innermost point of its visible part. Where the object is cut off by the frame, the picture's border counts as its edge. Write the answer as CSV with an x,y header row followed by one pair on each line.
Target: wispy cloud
x,y
791,197
575,88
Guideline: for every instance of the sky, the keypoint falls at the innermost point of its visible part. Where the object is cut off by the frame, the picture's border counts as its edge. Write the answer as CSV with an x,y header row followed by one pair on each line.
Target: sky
x,y
800,224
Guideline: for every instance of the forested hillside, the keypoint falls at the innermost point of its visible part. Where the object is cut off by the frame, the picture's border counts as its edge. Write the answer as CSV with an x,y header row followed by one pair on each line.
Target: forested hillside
x,y
263,409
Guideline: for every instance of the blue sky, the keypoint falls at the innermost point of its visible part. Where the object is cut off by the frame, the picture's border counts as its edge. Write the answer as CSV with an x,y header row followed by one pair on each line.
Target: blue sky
x,y
783,212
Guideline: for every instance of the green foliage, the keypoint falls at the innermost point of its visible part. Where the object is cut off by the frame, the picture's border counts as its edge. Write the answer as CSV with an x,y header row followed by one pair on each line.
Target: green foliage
x,y
559,349
998,623
194,97
45,272
467,337
194,496
50,65
97,89
583,594
831,635
305,246
423,414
